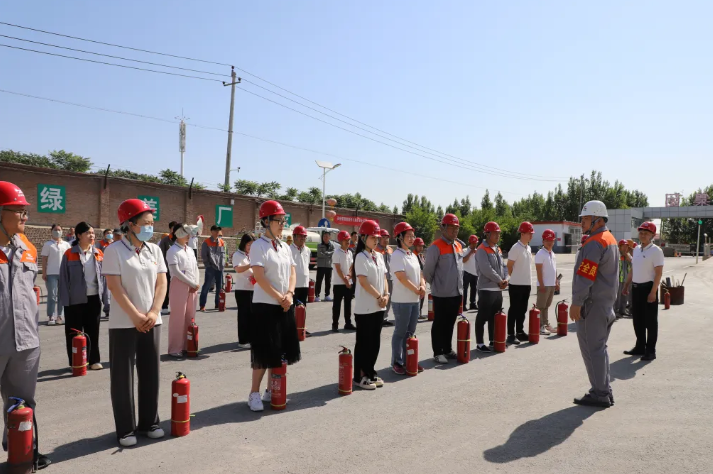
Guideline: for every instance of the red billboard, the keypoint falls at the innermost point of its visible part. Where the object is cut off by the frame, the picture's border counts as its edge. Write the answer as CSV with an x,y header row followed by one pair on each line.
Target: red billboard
x,y
352,220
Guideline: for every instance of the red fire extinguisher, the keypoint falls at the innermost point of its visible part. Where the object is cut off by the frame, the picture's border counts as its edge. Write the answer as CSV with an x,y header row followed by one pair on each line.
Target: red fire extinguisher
x,y
180,405
411,367
534,336
221,300
346,369
463,333
430,307
667,300
37,292
79,354
228,283
562,318
301,320
310,292
20,446
278,387
192,339
500,332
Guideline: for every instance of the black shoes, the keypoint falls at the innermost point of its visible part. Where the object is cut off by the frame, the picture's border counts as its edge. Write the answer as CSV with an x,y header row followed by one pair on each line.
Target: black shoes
x,y
634,352
611,399
387,323
350,327
451,355
335,328
482,348
512,340
649,356
522,337
473,307
590,401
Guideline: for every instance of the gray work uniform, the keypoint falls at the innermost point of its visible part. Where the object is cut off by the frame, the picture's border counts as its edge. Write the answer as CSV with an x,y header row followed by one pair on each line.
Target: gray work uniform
x,y
621,298
594,288
19,321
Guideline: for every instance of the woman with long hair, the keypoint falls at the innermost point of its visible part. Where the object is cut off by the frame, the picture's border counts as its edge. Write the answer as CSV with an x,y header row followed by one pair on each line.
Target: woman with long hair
x,y
244,287
273,335
80,290
369,273
182,299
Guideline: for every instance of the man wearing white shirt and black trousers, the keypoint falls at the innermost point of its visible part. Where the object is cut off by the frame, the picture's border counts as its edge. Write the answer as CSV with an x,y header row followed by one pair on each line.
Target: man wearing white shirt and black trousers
x,y
643,282
520,271
470,273
301,255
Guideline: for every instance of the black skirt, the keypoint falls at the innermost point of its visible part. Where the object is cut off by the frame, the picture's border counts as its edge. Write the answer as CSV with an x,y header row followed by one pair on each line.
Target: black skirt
x,y
273,336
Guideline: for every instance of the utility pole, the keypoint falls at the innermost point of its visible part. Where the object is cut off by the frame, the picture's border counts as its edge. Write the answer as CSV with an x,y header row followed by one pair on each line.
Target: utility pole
x,y
698,241
233,82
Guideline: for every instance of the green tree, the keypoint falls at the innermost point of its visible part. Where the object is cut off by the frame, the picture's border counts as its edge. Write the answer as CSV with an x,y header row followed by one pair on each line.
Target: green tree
x,y
312,196
69,161
171,177
486,203
502,208
424,222
290,194
246,187
271,189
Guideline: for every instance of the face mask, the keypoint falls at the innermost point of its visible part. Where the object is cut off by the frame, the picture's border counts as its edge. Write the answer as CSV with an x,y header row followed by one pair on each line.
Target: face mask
x,y
145,234
56,234
109,236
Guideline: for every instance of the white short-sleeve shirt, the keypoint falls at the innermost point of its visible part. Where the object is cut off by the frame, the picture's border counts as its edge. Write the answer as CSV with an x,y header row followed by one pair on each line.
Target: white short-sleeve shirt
x,y
54,251
242,280
139,272
645,262
301,258
185,259
276,258
345,260
548,260
521,254
407,262
471,266
374,269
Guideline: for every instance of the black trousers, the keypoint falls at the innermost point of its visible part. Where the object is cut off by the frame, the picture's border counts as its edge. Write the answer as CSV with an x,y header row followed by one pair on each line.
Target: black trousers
x,y
342,293
470,282
301,295
84,317
323,274
244,300
129,348
168,288
445,312
490,303
368,343
519,299
646,317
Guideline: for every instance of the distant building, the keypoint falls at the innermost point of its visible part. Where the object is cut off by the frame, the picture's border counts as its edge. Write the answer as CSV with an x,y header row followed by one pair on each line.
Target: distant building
x,y
569,235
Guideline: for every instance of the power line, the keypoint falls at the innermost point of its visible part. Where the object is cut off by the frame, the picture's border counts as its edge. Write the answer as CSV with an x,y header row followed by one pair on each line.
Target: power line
x,y
502,172
111,64
114,57
206,127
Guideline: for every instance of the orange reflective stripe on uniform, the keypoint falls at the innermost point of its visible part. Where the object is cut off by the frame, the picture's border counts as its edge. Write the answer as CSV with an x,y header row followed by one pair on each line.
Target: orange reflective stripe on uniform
x,y
72,256
3,257
30,254
210,243
444,247
486,248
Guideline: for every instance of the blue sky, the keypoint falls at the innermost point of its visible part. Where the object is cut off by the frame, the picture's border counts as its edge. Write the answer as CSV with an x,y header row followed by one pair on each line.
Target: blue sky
x,y
548,88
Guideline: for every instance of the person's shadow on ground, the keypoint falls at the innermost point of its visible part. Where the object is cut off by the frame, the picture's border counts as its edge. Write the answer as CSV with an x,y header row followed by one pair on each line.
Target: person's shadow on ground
x,y
625,369
539,436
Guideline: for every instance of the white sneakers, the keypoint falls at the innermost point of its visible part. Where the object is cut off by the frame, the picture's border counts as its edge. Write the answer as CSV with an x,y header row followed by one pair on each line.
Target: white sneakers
x,y
317,300
378,381
441,359
267,396
366,384
155,433
328,298
254,402
164,312
59,320
244,346
544,331
51,321
128,441
96,366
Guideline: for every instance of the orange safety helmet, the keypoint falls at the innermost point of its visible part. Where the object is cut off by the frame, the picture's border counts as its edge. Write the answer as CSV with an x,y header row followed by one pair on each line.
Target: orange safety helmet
x,y
473,239
299,230
342,235
491,227
418,241
526,228
402,227
11,195
369,228
450,219
549,235
650,226
271,208
132,208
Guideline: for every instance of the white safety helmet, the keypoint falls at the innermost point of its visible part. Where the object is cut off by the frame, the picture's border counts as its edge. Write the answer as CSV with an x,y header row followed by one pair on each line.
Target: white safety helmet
x,y
595,209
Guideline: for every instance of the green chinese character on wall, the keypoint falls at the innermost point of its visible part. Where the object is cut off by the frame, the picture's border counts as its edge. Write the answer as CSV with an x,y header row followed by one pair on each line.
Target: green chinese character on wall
x,y
51,198
155,204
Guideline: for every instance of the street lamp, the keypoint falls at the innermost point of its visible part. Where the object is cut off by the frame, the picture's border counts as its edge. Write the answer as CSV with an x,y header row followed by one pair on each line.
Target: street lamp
x,y
326,168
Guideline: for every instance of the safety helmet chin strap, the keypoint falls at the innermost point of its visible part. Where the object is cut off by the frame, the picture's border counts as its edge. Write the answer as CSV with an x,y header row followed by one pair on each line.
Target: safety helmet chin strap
x,y
269,230
591,226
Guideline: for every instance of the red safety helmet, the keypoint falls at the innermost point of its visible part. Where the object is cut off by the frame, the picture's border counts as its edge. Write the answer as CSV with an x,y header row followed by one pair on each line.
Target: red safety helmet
x,y
299,230
526,228
132,208
342,235
271,208
623,242
650,226
402,227
369,228
450,219
384,233
491,227
584,238
549,235
11,195
473,239
418,241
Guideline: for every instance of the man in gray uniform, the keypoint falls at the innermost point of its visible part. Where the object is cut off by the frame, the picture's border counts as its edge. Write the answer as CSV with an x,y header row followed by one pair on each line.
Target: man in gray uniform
x,y
594,291
19,311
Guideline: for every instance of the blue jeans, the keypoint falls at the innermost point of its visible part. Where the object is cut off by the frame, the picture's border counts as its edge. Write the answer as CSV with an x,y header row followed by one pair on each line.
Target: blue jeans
x,y
211,276
52,285
406,317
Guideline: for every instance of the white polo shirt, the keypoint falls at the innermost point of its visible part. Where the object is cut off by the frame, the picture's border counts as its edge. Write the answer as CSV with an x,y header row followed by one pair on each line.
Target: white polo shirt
x,y
345,260
471,266
548,260
374,269
407,262
301,258
242,280
645,262
276,259
185,260
521,274
139,272
54,251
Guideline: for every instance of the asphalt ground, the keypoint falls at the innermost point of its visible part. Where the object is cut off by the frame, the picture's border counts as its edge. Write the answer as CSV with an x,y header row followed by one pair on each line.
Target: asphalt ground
x,y
508,412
